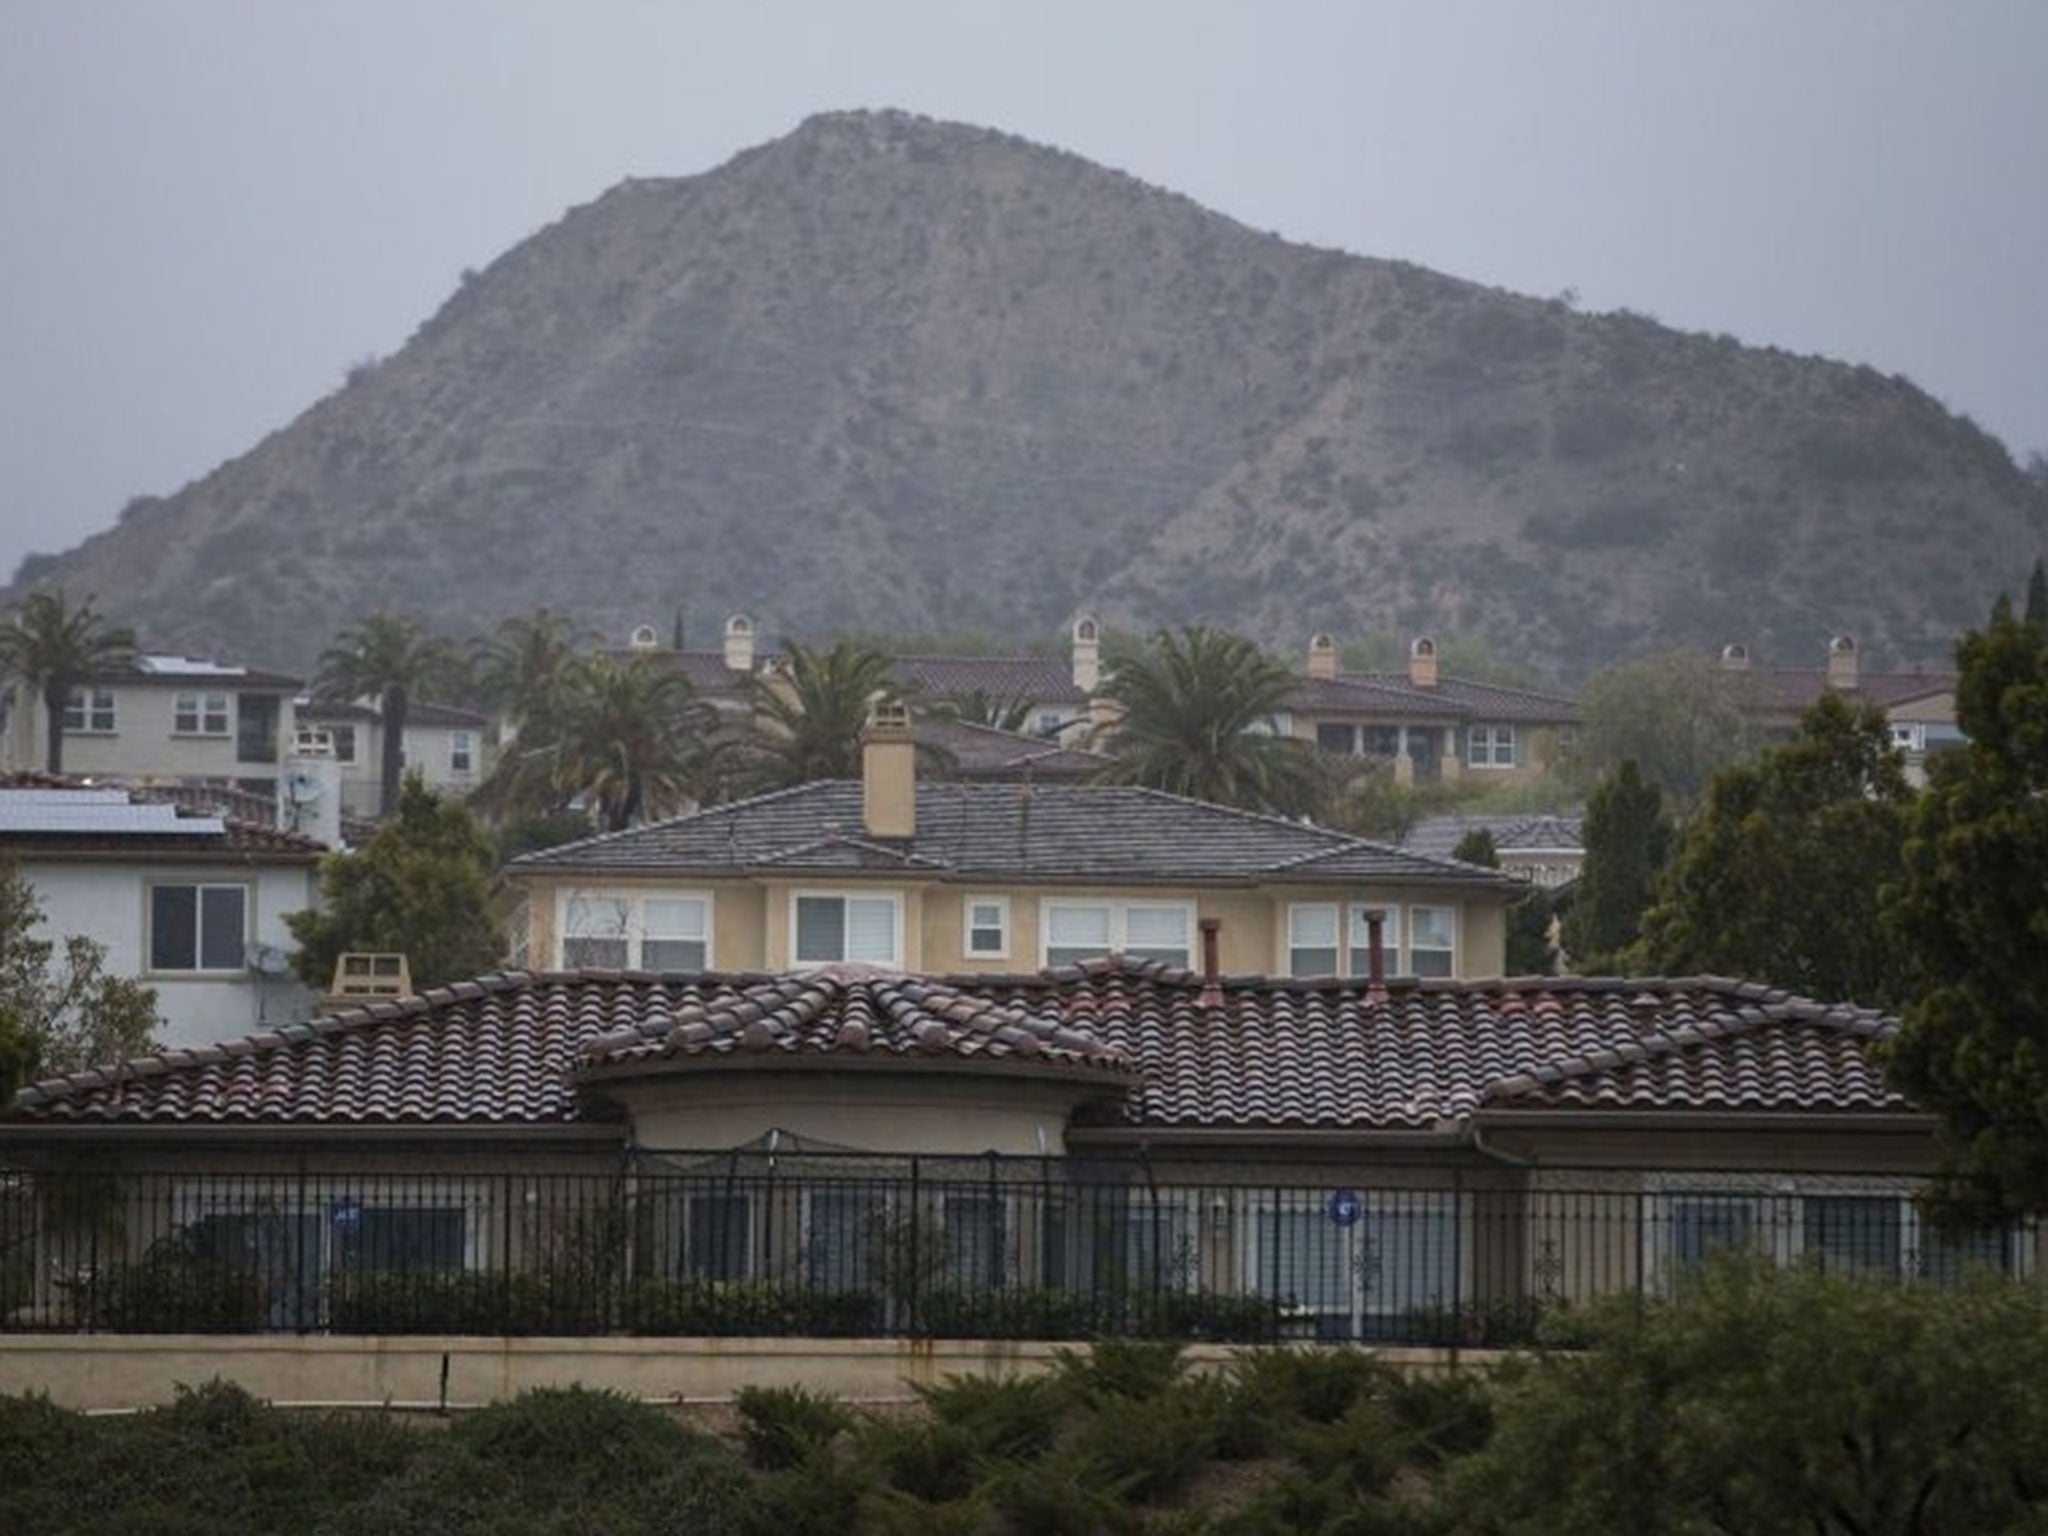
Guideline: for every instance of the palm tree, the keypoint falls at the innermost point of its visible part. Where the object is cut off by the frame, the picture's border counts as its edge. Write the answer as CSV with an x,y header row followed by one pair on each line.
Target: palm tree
x,y
630,738
809,712
389,657
524,668
1000,712
54,647
1197,711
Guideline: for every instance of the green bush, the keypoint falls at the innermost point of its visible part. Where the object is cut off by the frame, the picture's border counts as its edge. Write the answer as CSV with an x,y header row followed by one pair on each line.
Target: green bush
x,y
782,1426
172,1289
1014,1417
1135,1370
933,1461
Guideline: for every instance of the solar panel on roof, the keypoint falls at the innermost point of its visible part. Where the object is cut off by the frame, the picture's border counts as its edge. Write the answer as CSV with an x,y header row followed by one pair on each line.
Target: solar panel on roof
x,y
93,812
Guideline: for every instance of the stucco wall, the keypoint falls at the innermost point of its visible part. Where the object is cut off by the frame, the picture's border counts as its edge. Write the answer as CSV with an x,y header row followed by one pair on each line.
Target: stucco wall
x,y
109,903
144,742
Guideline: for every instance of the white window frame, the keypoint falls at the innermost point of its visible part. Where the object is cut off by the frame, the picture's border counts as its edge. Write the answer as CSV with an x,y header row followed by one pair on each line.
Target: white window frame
x,y
1119,922
1358,936
199,714
1909,736
968,927
633,923
1490,745
1299,912
89,711
893,898
199,888
1362,1305
462,751
1352,936
1452,911
344,739
683,1259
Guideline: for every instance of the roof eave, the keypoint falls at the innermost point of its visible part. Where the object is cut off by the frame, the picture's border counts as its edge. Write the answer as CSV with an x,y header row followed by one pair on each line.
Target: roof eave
x,y
1890,1122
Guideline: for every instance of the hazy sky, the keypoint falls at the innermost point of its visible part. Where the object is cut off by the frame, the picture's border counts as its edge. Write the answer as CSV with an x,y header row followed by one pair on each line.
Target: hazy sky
x,y
210,208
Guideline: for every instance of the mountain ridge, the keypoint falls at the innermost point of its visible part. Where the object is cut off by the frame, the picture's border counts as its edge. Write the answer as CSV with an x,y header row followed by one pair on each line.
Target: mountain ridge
x,y
892,373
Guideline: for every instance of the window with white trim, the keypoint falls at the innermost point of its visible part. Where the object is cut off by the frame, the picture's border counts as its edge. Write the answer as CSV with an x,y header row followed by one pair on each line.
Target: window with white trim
x,y
198,927
1490,746
461,751
1432,940
845,1230
344,742
199,714
1312,938
1394,1253
90,709
1073,931
1909,736
717,1236
985,920
825,928
1361,940
649,933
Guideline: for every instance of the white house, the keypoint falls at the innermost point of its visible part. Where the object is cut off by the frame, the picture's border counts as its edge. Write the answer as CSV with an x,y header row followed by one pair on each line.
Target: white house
x,y
190,904
444,743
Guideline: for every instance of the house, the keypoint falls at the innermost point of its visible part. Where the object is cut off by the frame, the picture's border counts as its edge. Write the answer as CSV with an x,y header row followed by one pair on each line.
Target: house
x,y
443,743
164,717
852,1149
938,875
1920,706
1430,725
1543,848
191,904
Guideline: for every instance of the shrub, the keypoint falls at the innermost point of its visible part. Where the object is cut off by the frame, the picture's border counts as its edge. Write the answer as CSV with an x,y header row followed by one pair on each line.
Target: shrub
x,y
172,1289
1133,1369
1318,1385
1013,1417
934,1461
574,1439
782,1426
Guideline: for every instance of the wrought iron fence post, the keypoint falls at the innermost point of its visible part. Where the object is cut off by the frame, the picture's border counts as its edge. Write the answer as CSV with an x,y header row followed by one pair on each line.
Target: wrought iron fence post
x,y
914,1322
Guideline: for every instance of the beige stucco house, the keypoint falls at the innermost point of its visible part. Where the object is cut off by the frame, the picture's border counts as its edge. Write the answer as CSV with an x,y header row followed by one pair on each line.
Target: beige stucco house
x,y
443,743
956,875
1920,706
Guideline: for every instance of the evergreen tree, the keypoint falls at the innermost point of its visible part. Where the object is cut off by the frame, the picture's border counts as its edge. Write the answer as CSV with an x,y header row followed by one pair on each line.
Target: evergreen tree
x,y
2037,596
421,887
1972,913
1780,876
1627,842
1678,717
59,1009
1477,847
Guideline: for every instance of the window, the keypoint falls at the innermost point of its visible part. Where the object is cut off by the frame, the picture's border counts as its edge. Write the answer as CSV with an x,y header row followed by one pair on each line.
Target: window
x,y
1361,940
344,742
461,751
652,933
195,714
1048,723
1312,939
1081,930
89,710
1392,1255
717,1229
831,928
1909,738
845,1229
987,922
198,927
1432,940
976,1231
1338,736
1490,746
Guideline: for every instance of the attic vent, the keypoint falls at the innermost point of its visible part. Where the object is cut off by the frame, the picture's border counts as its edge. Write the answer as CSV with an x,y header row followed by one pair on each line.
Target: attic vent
x,y
644,637
1735,657
360,976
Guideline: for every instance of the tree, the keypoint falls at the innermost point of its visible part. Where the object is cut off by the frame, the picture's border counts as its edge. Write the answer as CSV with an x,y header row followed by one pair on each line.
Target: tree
x,y
391,658
2037,596
55,648
59,1009
1627,841
808,716
1677,717
977,707
1477,847
421,886
523,669
1780,876
1197,710
1971,913
1528,917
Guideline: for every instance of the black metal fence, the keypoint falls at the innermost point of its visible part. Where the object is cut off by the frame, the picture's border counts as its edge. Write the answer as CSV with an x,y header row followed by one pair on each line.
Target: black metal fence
x,y
810,1244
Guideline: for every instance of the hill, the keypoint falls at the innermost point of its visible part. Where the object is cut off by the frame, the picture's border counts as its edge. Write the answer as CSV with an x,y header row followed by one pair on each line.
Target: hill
x,y
916,376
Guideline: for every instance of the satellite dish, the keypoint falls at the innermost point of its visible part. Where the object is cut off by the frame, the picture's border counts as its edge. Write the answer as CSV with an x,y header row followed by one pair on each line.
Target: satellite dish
x,y
301,788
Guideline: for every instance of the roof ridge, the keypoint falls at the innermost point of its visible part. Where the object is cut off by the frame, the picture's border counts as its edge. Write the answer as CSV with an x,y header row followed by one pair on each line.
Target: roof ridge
x,y
702,812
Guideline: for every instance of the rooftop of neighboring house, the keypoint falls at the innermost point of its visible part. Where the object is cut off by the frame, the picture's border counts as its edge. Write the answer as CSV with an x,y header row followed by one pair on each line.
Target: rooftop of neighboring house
x,y
984,752
1423,691
1790,690
1530,832
1011,831
49,818
242,804
1165,1050
420,712
195,672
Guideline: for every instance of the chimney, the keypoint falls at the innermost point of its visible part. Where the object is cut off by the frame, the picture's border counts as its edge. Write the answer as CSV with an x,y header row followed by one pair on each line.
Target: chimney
x,y
1735,658
1376,954
1842,663
1422,662
1212,970
888,771
1087,655
739,643
1322,656
643,638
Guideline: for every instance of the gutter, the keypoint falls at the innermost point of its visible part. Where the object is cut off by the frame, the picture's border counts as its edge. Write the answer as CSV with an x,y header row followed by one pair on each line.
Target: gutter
x,y
56,1133
1894,1122
1443,1136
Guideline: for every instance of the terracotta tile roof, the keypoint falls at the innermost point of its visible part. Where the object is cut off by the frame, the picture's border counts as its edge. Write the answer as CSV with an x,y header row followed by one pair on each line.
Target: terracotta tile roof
x,y
1040,679
1436,836
1357,695
1480,701
981,831
1788,691
1273,1055
418,712
983,752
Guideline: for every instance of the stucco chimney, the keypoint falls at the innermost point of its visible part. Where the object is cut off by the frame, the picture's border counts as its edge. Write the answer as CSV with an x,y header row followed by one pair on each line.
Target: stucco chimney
x,y
888,771
1842,663
1735,657
1422,662
1087,653
1322,656
739,643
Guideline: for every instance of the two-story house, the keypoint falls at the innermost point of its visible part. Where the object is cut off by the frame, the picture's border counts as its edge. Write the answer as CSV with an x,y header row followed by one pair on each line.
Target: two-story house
x,y
960,875
444,743
1430,725
189,903
175,718
1920,706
